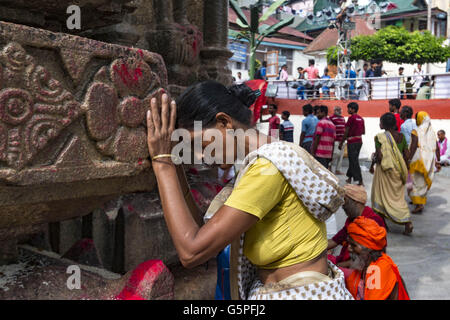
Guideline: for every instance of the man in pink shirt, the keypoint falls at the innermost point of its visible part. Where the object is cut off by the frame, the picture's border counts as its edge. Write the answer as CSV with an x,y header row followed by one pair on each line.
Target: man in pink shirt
x,y
323,145
313,73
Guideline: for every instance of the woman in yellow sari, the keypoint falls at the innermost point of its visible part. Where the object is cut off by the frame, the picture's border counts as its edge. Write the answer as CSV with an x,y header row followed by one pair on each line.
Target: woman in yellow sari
x,y
391,173
273,214
424,158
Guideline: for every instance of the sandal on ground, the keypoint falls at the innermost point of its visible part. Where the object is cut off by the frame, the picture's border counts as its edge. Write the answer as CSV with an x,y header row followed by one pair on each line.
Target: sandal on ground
x,y
408,229
418,209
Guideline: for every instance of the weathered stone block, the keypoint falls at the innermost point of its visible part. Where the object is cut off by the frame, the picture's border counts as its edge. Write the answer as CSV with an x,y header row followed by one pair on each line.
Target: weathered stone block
x,y
72,123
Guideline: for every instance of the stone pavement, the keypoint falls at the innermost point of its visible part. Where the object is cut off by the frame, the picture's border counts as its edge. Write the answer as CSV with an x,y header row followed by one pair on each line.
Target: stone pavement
x,y
423,257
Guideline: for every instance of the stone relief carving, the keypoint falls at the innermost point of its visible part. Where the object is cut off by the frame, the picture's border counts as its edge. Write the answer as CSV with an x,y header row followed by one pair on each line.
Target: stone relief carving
x,y
34,107
116,103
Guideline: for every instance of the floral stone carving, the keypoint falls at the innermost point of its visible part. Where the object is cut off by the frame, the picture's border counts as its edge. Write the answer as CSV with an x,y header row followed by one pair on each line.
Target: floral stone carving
x,y
116,104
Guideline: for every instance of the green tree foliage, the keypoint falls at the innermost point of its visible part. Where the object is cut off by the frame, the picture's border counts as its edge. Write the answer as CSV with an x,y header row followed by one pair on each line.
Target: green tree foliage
x,y
397,45
254,31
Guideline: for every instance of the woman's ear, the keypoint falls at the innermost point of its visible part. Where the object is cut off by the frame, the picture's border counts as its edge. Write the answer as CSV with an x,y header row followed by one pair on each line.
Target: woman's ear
x,y
224,121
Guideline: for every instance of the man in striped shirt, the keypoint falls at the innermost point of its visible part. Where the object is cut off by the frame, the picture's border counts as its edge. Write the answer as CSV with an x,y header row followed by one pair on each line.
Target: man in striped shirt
x,y
339,121
323,145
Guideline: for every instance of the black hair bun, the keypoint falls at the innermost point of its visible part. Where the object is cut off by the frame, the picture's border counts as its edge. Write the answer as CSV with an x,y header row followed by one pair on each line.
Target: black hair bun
x,y
246,95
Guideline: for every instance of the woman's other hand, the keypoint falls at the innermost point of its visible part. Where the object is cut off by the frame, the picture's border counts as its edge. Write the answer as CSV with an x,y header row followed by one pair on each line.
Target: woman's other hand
x,y
161,120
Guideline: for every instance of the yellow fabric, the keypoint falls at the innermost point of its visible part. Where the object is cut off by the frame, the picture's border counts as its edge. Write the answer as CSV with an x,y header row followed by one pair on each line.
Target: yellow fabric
x,y
419,167
286,233
418,200
421,115
388,186
392,157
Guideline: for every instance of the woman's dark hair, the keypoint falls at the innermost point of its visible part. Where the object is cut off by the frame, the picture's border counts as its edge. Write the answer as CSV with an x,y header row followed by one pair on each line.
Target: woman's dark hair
x,y
204,100
408,111
388,121
273,106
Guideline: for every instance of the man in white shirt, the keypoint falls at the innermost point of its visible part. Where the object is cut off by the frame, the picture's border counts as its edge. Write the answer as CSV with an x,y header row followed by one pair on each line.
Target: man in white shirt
x,y
418,73
239,79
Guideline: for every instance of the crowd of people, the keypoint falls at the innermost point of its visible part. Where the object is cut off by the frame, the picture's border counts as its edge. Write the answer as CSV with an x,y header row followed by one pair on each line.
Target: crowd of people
x,y
412,162
417,86
268,223
407,156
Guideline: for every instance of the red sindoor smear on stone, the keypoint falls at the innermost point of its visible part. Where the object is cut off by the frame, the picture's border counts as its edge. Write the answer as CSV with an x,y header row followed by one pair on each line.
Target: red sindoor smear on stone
x,y
148,271
129,78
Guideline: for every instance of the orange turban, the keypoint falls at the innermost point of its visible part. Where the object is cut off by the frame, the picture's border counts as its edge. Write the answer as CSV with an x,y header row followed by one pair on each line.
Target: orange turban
x,y
368,233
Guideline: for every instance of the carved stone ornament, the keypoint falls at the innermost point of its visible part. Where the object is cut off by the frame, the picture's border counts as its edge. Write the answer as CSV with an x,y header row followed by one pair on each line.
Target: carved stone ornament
x,y
34,107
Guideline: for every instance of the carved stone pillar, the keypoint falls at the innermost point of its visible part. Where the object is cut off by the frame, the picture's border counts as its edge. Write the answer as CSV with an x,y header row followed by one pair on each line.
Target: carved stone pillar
x,y
215,23
163,14
178,41
180,11
215,54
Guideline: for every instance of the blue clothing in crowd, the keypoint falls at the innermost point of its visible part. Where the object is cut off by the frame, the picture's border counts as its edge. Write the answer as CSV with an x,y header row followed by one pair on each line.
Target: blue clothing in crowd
x,y
407,127
325,89
309,127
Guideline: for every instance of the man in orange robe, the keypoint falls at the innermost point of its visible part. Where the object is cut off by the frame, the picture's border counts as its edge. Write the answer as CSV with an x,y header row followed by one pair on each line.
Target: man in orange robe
x,y
375,275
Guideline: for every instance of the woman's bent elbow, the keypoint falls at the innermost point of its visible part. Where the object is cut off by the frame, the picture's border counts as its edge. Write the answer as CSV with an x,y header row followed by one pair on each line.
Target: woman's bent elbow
x,y
189,263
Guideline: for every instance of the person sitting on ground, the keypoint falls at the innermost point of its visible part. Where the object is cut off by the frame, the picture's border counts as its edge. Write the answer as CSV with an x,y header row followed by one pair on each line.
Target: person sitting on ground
x,y
354,206
375,275
274,121
286,128
394,107
324,136
444,148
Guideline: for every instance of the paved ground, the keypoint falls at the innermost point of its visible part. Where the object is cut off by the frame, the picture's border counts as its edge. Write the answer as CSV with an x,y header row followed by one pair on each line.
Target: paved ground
x,y
423,258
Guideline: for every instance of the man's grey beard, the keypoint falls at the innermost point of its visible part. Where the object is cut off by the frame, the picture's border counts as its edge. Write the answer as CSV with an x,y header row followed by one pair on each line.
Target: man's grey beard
x,y
357,262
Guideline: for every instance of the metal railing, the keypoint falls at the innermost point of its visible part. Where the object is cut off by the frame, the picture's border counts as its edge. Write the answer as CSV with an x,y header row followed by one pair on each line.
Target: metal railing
x,y
401,87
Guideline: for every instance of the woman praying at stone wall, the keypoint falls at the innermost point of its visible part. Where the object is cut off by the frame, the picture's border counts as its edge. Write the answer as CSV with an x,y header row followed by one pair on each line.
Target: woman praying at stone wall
x,y
272,214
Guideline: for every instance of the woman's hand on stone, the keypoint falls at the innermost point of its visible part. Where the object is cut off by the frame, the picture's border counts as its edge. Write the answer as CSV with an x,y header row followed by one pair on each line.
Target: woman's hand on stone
x,y
161,120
